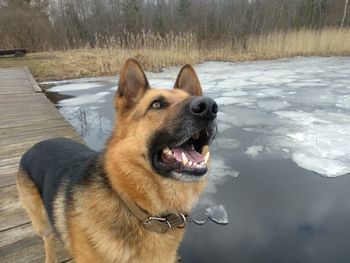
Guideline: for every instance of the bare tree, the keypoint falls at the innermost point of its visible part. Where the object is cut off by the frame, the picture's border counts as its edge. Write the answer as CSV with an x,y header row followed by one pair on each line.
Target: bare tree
x,y
64,24
344,14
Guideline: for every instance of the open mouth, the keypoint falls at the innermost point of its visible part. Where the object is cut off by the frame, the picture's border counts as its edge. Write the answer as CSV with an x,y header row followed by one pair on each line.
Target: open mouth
x,y
185,158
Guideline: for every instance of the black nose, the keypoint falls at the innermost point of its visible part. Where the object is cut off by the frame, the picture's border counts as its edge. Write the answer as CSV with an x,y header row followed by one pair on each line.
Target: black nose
x,y
204,107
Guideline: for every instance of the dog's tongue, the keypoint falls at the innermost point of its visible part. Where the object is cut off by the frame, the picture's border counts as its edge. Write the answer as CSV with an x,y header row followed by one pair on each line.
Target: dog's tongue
x,y
192,155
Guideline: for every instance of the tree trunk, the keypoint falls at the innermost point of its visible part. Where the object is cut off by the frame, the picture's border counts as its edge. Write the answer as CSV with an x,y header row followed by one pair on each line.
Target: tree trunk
x,y
344,15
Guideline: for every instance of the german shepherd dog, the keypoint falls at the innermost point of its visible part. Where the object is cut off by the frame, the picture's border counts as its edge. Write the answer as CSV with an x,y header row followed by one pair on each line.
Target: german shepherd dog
x,y
128,203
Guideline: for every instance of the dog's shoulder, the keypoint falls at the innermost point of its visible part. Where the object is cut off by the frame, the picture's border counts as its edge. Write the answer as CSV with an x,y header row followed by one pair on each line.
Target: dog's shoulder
x,y
50,163
53,157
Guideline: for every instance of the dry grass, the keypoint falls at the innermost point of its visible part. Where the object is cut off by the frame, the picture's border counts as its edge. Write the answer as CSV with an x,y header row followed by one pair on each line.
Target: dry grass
x,y
155,52
327,42
304,42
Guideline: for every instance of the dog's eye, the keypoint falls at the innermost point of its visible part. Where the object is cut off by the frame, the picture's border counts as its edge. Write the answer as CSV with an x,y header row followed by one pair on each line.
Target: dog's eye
x,y
158,104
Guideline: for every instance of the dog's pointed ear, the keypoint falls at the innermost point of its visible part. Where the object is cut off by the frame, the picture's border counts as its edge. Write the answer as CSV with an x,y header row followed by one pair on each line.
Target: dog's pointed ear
x,y
188,81
132,84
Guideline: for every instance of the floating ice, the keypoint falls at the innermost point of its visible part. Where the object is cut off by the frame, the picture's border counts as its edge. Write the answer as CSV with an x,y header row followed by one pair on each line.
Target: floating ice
x,y
254,151
235,93
329,167
242,116
300,137
300,118
344,102
270,92
271,105
74,86
162,83
84,99
199,216
317,140
216,213
227,100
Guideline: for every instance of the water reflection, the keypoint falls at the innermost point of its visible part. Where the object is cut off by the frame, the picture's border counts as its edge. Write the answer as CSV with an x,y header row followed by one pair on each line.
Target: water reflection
x,y
91,125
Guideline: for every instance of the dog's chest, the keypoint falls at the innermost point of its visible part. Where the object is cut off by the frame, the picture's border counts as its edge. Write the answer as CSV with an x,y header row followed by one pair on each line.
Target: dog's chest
x,y
117,235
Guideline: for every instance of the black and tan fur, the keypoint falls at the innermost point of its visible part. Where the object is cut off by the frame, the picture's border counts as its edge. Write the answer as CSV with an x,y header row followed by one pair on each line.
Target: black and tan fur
x,y
73,193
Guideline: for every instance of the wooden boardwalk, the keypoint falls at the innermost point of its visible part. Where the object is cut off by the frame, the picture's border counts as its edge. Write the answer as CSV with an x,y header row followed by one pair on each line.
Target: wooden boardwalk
x,y
26,117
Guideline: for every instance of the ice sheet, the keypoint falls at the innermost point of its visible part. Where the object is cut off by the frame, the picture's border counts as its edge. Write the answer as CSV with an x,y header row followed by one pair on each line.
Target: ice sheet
x,y
84,99
75,86
320,144
296,108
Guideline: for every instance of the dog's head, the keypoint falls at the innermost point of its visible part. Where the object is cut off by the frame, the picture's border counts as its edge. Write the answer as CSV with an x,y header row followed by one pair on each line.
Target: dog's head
x,y
164,131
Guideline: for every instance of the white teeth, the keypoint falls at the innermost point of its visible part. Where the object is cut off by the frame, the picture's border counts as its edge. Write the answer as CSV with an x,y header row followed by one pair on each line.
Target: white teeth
x,y
184,158
166,150
206,157
190,163
192,147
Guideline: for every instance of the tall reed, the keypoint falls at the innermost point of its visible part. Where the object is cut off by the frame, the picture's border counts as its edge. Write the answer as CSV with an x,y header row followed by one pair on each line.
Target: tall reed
x,y
156,52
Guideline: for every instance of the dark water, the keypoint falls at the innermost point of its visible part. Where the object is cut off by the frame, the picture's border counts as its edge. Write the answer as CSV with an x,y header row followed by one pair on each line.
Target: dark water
x,y
278,211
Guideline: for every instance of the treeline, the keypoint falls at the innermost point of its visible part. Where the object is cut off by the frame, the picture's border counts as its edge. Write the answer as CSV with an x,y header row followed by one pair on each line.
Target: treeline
x,y
68,24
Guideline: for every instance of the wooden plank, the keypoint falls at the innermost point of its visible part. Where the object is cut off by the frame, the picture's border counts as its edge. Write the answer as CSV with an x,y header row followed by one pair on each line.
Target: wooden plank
x,y
20,147
15,234
26,117
30,250
9,161
29,98
25,108
8,178
12,74
17,84
25,121
10,157
10,168
7,119
13,78
12,213
22,240
33,83
11,141
56,121
39,135
13,90
12,151
29,114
